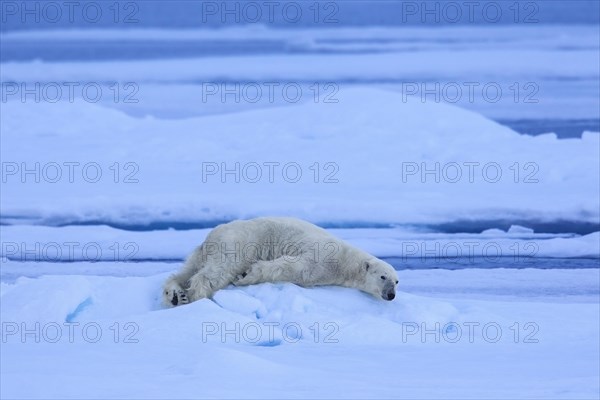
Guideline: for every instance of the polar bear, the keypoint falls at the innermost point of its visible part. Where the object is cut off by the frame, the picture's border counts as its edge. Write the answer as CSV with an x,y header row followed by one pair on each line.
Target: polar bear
x,y
276,249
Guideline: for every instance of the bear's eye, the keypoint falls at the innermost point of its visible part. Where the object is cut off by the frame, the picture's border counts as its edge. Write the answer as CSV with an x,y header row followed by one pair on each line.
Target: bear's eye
x,y
396,282
382,277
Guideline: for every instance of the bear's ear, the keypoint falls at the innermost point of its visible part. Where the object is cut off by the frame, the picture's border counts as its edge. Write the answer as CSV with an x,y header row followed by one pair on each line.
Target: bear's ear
x,y
367,266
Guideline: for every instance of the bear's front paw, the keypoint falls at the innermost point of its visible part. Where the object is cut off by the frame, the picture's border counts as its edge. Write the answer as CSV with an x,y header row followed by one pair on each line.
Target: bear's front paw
x,y
179,297
176,297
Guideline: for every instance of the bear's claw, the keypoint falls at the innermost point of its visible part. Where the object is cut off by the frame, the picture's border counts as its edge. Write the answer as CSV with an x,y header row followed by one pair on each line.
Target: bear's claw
x,y
240,277
237,280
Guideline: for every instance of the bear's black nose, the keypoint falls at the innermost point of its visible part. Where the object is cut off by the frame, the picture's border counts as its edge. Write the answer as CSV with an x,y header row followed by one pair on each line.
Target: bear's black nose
x,y
391,296
174,300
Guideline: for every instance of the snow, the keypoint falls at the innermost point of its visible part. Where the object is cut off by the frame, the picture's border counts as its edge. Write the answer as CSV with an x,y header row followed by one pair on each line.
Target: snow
x,y
102,336
201,136
502,310
576,36
452,44
436,163
83,329
103,243
554,67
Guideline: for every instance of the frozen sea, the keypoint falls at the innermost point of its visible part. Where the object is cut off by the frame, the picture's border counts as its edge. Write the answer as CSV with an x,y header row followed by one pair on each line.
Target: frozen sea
x,y
465,154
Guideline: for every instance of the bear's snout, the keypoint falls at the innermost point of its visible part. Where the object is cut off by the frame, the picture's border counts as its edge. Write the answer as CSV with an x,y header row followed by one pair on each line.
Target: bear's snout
x,y
175,299
389,292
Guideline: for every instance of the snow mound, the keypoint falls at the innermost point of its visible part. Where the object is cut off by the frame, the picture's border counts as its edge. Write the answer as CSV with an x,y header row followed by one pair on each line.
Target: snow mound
x,y
277,313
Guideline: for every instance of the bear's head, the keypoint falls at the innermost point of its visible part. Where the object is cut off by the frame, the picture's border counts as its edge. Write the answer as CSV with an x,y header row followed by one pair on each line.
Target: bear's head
x,y
380,279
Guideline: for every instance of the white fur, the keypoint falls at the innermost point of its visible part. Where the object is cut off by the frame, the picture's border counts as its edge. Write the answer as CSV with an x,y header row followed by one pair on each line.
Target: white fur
x,y
276,249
